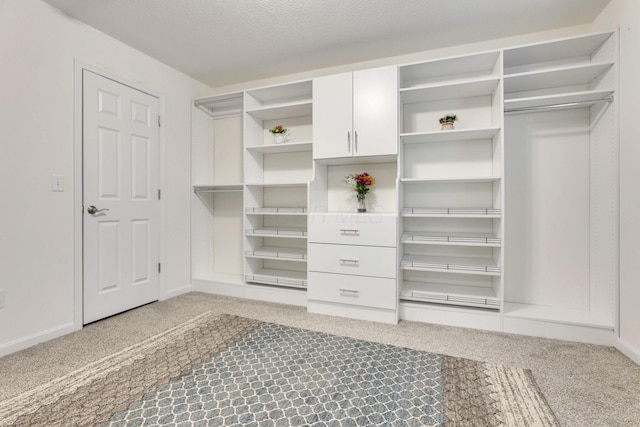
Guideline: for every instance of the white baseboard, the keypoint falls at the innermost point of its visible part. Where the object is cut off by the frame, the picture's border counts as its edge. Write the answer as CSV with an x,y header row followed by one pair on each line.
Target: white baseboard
x,y
175,292
628,350
254,292
37,338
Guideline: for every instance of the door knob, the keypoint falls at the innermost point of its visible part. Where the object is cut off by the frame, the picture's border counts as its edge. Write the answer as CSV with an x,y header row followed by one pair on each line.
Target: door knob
x,y
93,210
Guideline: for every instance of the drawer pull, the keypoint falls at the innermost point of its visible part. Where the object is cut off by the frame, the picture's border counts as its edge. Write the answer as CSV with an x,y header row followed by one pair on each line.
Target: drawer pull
x,y
350,231
348,291
353,262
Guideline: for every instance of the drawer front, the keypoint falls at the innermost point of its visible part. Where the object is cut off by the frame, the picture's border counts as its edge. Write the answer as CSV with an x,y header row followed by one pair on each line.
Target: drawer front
x,y
353,229
359,260
364,291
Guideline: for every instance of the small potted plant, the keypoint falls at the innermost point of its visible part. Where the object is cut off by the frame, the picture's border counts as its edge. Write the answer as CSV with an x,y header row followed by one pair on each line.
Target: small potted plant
x,y
279,133
446,122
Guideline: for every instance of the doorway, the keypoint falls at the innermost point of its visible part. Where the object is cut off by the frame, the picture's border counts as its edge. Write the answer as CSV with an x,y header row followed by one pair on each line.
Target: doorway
x,y
121,213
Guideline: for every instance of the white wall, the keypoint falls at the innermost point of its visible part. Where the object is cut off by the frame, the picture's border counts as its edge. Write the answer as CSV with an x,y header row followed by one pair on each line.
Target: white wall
x,y
38,45
626,15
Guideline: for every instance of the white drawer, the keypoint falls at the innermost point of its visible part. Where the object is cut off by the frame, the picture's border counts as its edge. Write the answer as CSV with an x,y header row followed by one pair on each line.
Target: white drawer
x,y
353,229
359,260
364,291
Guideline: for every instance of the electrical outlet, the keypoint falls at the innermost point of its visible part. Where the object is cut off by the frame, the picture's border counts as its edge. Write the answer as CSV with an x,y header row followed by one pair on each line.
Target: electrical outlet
x,y
1,298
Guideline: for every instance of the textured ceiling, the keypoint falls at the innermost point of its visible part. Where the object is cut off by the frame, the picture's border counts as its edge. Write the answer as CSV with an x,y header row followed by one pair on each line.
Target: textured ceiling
x,y
221,42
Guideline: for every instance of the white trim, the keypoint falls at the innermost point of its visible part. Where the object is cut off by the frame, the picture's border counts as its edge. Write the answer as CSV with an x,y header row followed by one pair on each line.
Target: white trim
x,y
37,338
628,350
176,292
78,66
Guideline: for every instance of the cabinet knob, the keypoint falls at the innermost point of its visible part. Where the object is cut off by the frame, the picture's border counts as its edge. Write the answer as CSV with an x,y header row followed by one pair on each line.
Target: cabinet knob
x,y
353,262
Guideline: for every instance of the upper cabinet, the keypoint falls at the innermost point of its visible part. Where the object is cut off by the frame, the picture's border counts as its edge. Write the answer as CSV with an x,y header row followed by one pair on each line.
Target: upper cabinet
x,y
356,114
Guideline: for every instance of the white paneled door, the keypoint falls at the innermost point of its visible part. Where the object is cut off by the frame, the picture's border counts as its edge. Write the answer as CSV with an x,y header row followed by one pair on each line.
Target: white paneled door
x,y
121,224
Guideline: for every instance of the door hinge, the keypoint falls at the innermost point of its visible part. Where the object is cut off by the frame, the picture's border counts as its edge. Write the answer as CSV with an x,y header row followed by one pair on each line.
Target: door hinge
x,y
159,122
159,194
159,268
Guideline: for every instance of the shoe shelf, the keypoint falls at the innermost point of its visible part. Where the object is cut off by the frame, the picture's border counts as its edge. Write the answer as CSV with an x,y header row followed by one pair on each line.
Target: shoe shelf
x,y
284,232
459,295
286,278
450,238
279,253
452,212
464,265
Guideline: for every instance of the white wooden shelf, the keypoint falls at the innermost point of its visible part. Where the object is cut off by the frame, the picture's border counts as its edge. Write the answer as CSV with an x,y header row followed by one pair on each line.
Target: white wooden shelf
x,y
449,135
544,53
285,232
464,88
450,238
555,77
283,110
277,252
461,295
276,184
450,180
220,106
289,147
275,211
558,101
287,278
217,188
440,70
452,212
478,266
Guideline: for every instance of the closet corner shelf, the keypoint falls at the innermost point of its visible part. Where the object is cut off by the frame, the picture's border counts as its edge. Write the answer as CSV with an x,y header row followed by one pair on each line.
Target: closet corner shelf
x,y
463,88
458,295
558,101
452,212
449,136
477,266
450,180
217,188
290,147
286,278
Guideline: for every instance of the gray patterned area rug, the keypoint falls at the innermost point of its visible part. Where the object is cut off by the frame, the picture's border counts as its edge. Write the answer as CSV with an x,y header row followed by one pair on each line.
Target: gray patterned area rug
x,y
232,371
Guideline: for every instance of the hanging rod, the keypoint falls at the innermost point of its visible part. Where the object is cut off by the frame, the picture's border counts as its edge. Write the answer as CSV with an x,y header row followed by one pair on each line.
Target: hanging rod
x,y
559,106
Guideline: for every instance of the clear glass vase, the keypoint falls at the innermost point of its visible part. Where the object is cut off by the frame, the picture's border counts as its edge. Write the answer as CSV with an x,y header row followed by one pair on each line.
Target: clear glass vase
x,y
280,138
362,206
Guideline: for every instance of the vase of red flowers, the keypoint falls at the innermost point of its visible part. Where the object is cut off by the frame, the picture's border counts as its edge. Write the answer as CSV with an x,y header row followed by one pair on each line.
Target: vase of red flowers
x,y
361,183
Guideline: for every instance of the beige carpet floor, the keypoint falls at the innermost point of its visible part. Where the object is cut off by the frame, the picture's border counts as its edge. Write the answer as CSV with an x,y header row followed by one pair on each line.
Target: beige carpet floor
x,y
585,385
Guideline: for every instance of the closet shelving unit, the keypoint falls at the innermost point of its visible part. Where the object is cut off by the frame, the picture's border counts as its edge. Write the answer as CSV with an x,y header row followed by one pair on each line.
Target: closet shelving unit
x,y
276,181
560,134
217,190
452,183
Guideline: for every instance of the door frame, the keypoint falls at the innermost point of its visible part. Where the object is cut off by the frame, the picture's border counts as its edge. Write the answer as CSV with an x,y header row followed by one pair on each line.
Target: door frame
x,y
78,215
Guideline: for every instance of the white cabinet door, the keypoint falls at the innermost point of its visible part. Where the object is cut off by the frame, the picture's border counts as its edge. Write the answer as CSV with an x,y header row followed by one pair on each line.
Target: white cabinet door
x,y
332,116
356,114
375,111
